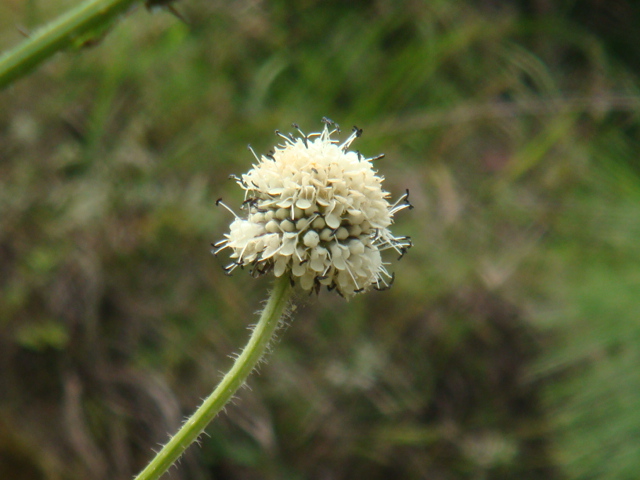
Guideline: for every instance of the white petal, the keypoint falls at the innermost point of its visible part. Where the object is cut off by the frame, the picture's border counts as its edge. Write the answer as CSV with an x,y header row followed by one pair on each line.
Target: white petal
x,y
298,269
333,221
306,281
303,203
272,243
288,244
311,239
337,260
280,266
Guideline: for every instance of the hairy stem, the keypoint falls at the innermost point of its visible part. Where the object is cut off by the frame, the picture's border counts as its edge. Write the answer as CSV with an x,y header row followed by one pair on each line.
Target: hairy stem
x,y
69,29
232,381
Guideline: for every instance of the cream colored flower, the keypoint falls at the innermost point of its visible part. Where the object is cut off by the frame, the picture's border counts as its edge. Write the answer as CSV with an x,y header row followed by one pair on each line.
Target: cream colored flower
x,y
316,212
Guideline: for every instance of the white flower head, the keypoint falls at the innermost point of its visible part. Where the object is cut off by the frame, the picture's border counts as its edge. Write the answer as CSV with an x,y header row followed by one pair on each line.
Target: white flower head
x,y
316,211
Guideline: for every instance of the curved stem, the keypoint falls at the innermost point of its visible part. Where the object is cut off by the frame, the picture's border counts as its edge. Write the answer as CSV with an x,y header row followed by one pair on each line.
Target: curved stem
x,y
231,382
90,16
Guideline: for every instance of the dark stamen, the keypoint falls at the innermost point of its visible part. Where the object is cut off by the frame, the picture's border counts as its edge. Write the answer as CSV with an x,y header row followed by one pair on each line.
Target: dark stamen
x,y
406,199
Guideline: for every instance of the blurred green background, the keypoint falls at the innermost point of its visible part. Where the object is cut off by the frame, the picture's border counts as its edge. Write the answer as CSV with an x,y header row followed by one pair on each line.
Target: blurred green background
x,y
509,347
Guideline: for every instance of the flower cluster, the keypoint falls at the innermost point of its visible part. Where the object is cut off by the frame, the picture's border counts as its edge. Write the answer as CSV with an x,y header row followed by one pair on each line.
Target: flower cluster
x,y
316,212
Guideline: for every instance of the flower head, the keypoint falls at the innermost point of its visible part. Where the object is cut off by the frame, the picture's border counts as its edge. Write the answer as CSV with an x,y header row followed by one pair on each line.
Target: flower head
x,y
316,212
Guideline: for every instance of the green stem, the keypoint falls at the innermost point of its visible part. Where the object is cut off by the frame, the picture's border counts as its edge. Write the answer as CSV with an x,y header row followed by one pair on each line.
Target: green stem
x,y
68,29
231,382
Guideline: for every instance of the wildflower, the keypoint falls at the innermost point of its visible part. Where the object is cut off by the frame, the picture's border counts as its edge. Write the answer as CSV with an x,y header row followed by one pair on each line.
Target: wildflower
x,y
317,213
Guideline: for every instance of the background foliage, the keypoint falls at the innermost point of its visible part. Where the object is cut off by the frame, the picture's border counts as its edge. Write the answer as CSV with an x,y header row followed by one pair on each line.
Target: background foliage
x,y
508,347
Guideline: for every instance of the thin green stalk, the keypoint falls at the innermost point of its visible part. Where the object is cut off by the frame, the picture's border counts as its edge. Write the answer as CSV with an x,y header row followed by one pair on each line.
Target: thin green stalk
x,y
229,385
83,23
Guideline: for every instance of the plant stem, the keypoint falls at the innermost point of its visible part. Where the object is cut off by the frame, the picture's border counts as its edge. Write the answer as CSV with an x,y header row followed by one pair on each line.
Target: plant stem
x,y
231,382
88,17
